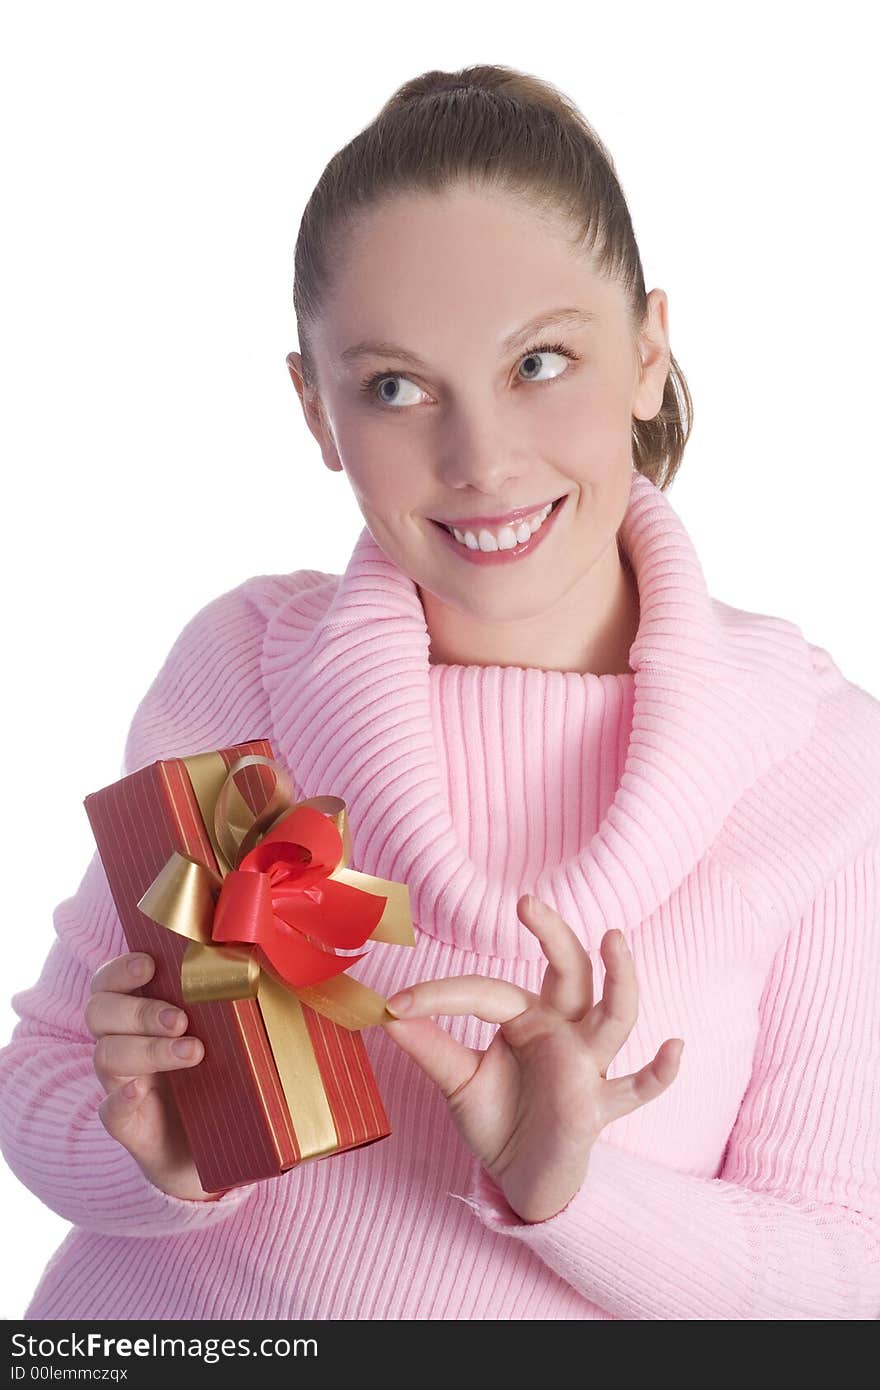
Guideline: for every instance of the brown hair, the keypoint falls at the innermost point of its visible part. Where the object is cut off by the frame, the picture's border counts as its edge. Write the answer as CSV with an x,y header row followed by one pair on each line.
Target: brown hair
x,y
495,126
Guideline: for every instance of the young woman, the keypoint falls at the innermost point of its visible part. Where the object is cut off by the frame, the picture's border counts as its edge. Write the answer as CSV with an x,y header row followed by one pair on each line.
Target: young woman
x,y
629,815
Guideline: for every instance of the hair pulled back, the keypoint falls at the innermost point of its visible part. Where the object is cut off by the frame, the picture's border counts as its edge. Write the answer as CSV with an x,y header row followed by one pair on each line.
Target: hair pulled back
x,y
488,125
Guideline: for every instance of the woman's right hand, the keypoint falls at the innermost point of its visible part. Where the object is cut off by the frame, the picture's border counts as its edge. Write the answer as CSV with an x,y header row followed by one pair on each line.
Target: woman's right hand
x,y
137,1043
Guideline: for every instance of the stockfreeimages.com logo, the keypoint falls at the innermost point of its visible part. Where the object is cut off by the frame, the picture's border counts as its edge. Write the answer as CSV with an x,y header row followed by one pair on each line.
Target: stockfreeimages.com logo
x,y
207,1349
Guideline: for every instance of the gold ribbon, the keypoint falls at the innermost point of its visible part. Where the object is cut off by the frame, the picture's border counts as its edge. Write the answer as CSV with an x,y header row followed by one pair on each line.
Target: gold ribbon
x,y
183,896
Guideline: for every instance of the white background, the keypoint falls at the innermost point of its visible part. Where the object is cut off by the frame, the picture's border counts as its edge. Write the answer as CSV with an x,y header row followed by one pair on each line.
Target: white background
x,y
155,164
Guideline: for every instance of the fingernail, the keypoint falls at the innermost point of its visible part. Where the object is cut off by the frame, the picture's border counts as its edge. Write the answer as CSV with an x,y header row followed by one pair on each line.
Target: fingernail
x,y
170,1018
131,1090
184,1047
399,1003
138,965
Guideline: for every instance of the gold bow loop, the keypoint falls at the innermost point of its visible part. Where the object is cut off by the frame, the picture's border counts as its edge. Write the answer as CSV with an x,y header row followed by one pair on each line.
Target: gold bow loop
x,y
184,896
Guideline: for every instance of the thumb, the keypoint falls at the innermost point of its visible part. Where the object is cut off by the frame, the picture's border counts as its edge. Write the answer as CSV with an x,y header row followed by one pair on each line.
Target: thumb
x,y
447,1062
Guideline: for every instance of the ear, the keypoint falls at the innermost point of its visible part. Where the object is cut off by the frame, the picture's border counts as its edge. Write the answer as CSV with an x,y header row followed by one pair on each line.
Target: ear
x,y
653,357
314,413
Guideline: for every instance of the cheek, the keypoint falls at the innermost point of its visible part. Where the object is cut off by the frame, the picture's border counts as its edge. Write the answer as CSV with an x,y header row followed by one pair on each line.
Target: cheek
x,y
595,415
381,481
596,452
610,403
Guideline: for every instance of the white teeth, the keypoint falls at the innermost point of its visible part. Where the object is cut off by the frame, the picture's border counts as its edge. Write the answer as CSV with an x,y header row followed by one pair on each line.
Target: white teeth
x,y
505,537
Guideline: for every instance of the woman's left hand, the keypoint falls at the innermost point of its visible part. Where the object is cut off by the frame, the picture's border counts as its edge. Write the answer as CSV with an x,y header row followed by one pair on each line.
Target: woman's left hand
x,y
532,1105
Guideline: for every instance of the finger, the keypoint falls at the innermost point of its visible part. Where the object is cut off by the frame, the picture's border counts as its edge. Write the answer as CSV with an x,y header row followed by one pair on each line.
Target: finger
x,y
494,1001
123,973
610,1022
106,1012
626,1093
567,986
119,1059
118,1110
448,1063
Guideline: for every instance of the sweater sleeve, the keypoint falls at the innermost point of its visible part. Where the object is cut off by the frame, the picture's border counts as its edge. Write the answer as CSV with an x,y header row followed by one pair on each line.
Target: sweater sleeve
x,y
790,1226
207,693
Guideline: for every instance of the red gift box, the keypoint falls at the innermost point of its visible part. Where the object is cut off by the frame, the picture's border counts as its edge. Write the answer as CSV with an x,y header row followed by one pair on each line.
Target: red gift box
x,y
280,1081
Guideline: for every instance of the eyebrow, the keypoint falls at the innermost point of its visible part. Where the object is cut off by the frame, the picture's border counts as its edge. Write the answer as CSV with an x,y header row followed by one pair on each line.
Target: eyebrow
x,y
571,318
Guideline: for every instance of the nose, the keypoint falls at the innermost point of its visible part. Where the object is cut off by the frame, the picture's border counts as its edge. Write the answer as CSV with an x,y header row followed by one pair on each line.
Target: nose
x,y
480,456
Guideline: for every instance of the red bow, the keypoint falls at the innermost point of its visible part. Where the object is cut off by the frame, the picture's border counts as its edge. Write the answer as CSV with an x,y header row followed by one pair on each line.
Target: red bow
x,y
282,899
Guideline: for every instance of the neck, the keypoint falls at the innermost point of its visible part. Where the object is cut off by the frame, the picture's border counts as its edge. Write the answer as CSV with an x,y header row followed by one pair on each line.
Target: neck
x,y
591,629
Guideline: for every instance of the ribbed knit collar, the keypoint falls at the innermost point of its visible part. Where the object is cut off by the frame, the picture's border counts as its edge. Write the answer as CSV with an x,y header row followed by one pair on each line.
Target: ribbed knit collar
x,y
721,695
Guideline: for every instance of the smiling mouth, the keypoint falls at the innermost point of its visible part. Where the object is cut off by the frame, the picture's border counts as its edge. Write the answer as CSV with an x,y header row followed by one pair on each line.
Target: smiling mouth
x,y
444,527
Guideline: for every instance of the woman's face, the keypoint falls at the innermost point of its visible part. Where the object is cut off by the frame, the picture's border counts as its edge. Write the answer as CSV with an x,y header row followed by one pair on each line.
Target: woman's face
x,y
488,419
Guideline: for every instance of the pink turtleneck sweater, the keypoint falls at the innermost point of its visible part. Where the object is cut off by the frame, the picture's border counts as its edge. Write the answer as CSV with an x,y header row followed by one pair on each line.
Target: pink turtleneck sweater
x,y
721,805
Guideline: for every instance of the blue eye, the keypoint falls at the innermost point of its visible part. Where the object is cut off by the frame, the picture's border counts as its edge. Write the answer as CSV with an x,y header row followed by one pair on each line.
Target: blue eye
x,y
370,385
557,348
